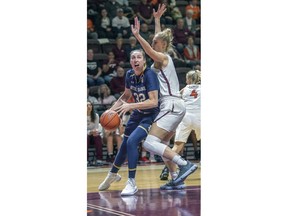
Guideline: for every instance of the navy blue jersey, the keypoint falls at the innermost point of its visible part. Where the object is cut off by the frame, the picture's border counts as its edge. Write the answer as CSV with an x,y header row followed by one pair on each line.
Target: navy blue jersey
x,y
141,85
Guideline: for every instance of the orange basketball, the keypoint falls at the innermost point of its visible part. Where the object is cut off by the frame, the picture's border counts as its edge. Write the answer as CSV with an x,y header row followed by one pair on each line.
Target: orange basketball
x,y
110,120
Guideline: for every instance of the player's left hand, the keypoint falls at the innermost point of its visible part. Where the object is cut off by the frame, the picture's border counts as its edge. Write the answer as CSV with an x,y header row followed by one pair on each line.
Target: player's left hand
x,y
161,10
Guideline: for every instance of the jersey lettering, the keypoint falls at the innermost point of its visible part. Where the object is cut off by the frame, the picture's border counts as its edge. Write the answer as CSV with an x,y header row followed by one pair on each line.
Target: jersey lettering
x,y
139,97
194,93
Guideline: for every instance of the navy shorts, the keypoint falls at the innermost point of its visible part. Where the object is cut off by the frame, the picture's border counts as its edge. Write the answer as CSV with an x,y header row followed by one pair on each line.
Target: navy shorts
x,y
139,119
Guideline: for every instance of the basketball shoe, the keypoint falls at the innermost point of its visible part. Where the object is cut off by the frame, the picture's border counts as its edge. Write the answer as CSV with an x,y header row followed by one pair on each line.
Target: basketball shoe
x,y
110,178
185,171
171,185
130,188
164,174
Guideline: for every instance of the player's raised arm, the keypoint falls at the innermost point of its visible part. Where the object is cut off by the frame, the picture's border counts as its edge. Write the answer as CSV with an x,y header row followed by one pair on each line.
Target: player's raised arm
x,y
156,56
157,15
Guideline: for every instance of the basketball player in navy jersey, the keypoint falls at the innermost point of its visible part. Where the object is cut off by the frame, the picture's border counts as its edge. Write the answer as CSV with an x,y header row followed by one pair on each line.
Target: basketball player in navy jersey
x,y
142,84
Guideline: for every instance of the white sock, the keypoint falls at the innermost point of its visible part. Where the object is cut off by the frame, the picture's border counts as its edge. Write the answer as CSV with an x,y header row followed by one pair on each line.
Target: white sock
x,y
173,175
132,180
112,174
179,160
143,154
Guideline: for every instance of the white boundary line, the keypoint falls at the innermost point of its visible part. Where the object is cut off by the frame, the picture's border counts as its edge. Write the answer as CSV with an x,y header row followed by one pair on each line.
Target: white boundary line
x,y
100,208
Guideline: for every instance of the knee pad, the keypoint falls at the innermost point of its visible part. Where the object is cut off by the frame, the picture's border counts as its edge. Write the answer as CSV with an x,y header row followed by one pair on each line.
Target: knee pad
x,y
153,144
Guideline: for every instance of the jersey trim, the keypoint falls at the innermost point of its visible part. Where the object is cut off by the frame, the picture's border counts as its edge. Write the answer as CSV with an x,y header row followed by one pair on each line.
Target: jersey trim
x,y
168,84
143,128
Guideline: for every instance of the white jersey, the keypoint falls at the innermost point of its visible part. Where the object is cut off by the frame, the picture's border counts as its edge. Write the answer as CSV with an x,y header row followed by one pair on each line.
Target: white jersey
x,y
172,108
169,83
192,97
192,119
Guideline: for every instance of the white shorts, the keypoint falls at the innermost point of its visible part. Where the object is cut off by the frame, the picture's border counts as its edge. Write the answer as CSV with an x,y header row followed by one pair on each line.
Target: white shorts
x,y
172,111
191,121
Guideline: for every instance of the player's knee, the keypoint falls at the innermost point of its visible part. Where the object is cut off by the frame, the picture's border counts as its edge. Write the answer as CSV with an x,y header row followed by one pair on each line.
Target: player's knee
x,y
153,144
148,144
130,141
134,141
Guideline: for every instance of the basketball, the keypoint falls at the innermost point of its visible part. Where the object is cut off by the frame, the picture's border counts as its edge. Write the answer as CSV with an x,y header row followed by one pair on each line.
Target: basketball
x,y
110,120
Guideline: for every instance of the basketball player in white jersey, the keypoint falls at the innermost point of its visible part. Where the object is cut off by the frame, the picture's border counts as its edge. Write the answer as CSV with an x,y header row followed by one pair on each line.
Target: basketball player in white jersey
x,y
191,94
172,107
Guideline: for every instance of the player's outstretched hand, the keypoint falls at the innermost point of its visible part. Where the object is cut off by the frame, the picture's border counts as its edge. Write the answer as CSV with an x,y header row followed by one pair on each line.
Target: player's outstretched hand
x,y
136,27
125,107
161,10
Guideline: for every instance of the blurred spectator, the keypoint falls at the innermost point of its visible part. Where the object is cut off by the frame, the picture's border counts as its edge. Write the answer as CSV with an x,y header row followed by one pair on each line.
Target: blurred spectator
x,y
180,34
189,22
128,11
153,3
176,14
104,27
91,98
144,31
191,53
194,6
94,133
177,58
92,10
105,97
93,70
121,25
120,52
167,16
91,33
94,92
133,45
111,6
145,12
172,3
117,84
109,67
107,74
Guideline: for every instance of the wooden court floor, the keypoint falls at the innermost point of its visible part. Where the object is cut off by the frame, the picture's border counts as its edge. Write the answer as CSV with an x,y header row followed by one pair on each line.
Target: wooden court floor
x,y
149,200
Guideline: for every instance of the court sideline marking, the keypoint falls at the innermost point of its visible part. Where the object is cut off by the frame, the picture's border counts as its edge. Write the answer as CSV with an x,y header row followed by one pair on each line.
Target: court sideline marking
x,y
108,210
